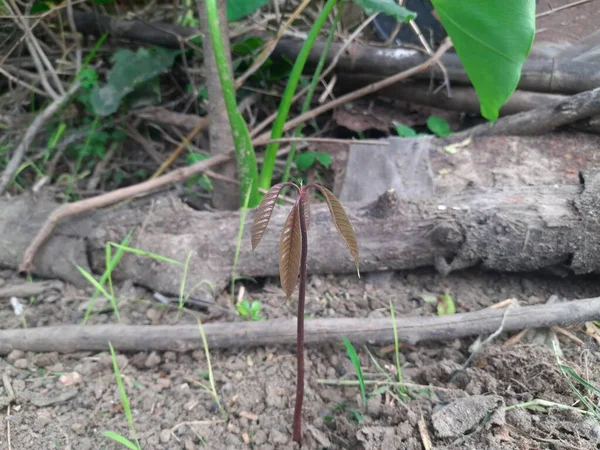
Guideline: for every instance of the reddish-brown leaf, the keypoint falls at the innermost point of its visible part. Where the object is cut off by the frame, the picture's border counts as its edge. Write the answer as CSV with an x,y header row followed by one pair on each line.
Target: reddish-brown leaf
x,y
307,215
262,216
342,223
290,248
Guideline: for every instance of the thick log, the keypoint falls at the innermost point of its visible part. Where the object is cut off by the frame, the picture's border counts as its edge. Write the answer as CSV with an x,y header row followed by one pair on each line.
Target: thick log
x,y
523,228
182,338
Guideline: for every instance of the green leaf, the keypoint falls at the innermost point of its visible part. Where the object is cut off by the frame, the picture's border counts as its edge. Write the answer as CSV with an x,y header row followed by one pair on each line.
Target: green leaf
x,y
389,7
255,308
307,159
438,126
40,7
238,9
446,305
492,40
129,71
404,130
324,159
243,308
248,46
120,439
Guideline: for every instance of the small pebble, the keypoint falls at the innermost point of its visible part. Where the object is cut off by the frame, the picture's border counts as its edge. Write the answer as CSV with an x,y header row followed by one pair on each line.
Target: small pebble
x,y
71,378
14,355
152,361
78,428
277,437
21,363
260,437
164,383
165,436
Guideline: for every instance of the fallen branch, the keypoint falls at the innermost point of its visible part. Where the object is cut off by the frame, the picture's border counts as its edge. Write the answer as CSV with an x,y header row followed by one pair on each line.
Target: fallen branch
x,y
463,99
542,74
540,120
366,90
39,121
110,198
182,338
25,290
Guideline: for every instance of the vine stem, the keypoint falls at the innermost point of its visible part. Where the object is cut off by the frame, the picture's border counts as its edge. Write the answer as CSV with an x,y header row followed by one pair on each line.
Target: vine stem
x,y
297,433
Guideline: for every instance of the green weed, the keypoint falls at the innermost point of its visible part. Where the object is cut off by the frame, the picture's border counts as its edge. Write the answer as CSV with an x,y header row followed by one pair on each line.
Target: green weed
x,y
356,363
249,311
126,409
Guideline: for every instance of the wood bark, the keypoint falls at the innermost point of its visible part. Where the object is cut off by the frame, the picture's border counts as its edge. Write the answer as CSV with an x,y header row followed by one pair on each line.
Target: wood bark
x,y
182,338
522,228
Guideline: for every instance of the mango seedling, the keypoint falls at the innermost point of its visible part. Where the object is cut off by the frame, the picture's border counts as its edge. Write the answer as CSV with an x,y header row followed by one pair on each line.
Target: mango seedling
x,y
293,253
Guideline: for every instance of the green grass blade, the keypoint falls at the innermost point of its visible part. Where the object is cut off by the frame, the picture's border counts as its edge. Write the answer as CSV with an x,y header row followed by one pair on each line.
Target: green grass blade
x,y
244,151
155,256
184,279
310,93
121,440
88,276
356,363
123,393
111,264
397,348
238,245
266,173
211,377
95,49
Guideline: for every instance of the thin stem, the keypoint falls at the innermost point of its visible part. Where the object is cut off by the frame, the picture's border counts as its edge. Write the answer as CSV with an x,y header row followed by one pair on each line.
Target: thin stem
x,y
297,434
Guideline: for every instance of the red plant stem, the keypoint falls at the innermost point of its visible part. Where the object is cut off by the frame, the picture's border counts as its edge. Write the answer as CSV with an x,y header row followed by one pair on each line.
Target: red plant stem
x,y
297,433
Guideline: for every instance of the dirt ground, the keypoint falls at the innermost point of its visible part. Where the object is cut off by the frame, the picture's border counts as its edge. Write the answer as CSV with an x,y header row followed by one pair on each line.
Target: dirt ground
x,y
459,409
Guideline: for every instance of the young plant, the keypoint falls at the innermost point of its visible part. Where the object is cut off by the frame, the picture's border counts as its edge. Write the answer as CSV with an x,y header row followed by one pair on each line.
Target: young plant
x,y
293,252
249,311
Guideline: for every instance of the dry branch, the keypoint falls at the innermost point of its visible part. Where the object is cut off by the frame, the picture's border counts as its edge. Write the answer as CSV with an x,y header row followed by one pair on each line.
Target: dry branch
x,y
560,76
30,134
542,74
540,120
463,98
181,338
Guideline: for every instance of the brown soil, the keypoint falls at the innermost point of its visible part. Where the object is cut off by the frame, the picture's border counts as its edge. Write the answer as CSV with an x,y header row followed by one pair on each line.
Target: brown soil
x,y
460,409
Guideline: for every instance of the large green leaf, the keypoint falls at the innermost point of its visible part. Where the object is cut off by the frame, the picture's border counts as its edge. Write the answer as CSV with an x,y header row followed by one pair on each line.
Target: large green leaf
x,y
130,70
492,39
238,9
389,7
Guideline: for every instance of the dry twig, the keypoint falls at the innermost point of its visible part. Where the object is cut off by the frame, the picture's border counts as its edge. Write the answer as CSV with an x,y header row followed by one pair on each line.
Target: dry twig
x,y
182,338
30,134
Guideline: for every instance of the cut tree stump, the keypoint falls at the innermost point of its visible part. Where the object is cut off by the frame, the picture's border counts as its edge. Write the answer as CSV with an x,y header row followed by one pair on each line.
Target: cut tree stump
x,y
182,338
